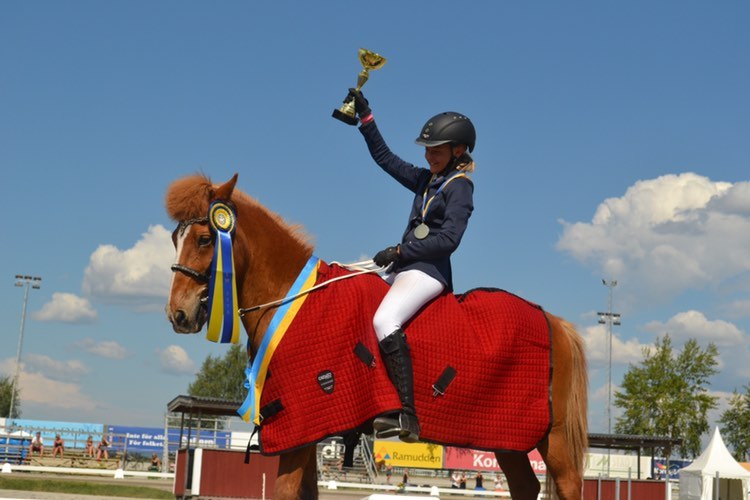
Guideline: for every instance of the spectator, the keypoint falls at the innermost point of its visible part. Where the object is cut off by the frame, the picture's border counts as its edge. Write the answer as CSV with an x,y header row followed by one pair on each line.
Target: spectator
x,y
388,473
406,477
462,481
102,449
455,477
155,463
89,449
58,447
499,486
37,446
479,481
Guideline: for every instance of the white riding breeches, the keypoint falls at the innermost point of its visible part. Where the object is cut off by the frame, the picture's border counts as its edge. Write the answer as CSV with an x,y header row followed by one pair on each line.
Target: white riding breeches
x,y
410,290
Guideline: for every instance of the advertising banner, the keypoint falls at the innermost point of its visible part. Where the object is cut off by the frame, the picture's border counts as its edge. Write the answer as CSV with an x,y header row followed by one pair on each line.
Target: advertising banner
x,y
138,439
206,438
659,468
151,439
417,455
467,459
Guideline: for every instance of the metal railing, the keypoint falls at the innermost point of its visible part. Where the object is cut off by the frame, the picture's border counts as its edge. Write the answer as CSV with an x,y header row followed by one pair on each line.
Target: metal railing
x,y
367,456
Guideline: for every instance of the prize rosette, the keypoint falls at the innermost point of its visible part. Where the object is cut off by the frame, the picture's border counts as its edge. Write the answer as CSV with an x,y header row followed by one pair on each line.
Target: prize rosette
x,y
223,311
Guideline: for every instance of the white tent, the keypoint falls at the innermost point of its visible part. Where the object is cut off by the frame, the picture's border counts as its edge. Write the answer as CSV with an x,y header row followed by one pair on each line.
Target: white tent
x,y
697,479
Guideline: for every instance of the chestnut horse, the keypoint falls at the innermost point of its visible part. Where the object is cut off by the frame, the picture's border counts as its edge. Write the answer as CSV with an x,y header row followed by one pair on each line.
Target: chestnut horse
x,y
268,256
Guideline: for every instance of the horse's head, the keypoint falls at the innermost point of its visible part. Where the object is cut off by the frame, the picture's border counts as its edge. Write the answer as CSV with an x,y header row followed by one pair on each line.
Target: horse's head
x,y
187,203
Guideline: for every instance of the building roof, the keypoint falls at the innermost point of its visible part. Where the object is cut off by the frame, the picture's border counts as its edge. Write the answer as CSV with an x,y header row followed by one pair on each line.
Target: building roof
x,y
204,406
630,442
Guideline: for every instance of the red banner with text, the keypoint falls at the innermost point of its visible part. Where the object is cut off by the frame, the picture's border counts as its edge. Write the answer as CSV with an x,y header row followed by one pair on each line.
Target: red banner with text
x,y
466,459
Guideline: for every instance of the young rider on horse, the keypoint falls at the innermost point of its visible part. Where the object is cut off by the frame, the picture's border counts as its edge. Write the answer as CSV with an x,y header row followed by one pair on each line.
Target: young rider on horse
x,y
421,267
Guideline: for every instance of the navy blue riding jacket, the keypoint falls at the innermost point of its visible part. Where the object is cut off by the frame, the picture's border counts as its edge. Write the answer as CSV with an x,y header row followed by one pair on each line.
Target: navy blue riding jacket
x,y
447,217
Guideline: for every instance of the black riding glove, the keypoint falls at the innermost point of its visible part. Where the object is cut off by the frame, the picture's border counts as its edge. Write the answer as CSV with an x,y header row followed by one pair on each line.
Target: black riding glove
x,y
385,257
361,105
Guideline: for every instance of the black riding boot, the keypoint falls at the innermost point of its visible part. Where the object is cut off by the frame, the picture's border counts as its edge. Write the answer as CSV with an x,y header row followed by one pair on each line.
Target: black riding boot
x,y
398,365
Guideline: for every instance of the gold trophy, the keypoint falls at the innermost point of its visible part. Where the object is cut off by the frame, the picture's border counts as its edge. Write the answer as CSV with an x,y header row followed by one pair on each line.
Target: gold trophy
x,y
369,60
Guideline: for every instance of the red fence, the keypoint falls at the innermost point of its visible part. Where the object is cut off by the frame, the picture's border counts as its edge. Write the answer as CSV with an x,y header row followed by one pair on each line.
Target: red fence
x,y
214,473
639,490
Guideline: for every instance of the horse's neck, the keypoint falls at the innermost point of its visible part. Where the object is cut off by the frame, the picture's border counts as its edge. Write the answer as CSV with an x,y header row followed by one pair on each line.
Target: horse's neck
x,y
273,257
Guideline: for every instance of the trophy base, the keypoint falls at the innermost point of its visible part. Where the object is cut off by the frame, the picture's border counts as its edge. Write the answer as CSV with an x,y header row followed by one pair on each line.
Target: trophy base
x,y
339,115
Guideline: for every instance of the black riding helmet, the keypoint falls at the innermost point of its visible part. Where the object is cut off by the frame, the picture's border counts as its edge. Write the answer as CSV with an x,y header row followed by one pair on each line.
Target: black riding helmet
x,y
448,127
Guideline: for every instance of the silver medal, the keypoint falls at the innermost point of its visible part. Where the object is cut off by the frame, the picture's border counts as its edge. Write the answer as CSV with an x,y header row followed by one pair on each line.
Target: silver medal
x,y
421,231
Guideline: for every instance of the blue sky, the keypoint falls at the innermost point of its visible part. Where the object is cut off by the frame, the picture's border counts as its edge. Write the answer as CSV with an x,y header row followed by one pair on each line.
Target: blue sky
x,y
612,143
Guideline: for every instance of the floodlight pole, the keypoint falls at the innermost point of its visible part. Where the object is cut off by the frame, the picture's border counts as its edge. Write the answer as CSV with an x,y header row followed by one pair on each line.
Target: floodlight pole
x,y
26,282
609,318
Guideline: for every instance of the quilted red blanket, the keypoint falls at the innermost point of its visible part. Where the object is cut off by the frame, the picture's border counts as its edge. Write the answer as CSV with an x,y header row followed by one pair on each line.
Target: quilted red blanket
x,y
482,369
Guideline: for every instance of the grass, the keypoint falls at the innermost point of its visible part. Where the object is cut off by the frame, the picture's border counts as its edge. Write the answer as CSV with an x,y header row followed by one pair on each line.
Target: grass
x,y
81,488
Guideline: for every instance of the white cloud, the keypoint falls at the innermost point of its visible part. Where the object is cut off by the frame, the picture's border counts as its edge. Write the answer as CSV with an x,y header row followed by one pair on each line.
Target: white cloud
x,y
106,349
623,351
694,325
175,360
8,367
138,277
668,234
68,308
38,389
54,368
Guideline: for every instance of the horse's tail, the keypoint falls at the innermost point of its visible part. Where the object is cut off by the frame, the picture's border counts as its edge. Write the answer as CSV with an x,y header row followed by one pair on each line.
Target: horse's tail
x,y
576,427
576,408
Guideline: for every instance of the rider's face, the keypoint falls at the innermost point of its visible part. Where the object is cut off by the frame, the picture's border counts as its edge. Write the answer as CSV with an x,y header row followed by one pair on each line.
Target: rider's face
x,y
438,157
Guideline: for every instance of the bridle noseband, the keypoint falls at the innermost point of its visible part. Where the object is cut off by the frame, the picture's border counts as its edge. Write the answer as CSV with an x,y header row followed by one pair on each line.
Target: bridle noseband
x,y
193,273
196,275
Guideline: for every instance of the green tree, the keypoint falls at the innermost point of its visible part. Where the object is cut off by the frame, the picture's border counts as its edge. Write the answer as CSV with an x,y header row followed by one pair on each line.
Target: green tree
x,y
667,395
735,424
222,378
6,389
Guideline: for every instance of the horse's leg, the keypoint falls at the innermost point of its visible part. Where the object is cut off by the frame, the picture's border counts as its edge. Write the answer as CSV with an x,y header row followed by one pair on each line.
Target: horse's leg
x,y
563,449
298,475
522,481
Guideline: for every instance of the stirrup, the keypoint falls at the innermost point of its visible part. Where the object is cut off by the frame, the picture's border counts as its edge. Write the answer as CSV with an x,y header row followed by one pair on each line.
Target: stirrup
x,y
386,426
405,427
409,426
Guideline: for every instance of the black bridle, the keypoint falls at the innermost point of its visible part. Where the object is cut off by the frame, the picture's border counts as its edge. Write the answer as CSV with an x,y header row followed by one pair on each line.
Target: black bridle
x,y
193,273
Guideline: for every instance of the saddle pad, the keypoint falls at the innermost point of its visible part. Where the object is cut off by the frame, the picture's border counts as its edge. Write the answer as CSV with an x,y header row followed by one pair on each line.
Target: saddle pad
x,y
326,376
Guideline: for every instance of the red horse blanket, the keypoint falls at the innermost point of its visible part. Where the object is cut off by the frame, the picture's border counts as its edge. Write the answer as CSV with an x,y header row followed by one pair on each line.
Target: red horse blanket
x,y
482,369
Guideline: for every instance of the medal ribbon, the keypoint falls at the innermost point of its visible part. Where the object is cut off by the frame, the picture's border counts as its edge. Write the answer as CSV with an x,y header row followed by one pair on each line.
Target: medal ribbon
x,y
223,311
426,203
255,374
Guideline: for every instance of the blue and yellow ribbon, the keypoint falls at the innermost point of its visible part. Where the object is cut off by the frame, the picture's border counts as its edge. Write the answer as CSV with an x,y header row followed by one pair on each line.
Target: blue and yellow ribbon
x,y
256,373
426,203
223,311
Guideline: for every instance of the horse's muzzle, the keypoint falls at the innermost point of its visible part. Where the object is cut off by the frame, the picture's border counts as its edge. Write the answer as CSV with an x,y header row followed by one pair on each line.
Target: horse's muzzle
x,y
183,322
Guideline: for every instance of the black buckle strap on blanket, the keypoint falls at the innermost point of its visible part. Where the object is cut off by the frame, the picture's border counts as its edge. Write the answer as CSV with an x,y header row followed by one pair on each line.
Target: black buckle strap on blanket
x,y
364,354
443,381
247,451
269,410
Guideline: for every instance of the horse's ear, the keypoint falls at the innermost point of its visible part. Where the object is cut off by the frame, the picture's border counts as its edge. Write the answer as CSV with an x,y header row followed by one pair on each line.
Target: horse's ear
x,y
224,192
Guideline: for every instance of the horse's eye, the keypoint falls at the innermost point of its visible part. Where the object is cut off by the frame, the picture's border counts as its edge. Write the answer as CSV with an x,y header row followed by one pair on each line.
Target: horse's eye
x,y
205,240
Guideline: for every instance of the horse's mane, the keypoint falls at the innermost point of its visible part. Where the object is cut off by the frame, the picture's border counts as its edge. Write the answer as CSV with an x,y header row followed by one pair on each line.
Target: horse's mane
x,y
189,198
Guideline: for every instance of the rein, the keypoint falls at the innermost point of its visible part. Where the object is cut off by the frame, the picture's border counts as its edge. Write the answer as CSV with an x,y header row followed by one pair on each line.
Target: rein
x,y
361,267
